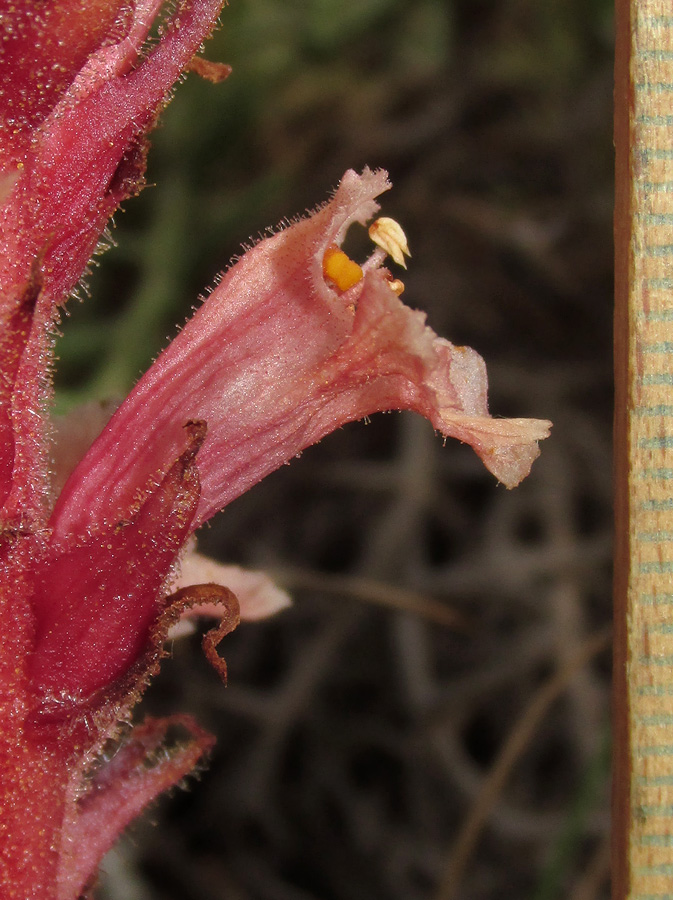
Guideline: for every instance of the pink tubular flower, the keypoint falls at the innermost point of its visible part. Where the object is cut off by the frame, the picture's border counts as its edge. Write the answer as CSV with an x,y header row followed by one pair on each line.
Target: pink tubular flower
x,y
282,352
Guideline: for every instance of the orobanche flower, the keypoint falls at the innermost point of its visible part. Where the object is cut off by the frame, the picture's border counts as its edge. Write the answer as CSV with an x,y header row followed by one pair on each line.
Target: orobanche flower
x,y
295,340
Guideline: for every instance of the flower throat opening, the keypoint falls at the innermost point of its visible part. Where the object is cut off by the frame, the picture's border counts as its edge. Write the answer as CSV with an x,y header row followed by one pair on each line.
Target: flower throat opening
x,y
344,273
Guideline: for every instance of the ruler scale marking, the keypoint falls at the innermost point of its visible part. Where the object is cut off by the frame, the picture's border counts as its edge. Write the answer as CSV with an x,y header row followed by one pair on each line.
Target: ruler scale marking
x,y
643,791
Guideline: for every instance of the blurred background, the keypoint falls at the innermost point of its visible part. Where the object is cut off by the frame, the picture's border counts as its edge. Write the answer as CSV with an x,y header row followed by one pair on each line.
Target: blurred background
x,y
430,719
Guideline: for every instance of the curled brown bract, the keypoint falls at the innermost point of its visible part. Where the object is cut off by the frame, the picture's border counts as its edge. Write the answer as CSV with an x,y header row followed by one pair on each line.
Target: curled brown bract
x,y
196,595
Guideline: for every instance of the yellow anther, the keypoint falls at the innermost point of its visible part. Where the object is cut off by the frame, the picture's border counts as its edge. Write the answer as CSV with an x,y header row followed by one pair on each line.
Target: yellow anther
x,y
396,286
388,235
340,269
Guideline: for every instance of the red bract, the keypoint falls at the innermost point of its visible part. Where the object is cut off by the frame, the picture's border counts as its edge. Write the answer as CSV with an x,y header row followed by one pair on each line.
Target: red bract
x,y
281,353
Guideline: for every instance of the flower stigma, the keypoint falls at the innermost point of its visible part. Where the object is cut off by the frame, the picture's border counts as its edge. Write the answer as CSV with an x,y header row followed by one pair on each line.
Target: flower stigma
x,y
340,269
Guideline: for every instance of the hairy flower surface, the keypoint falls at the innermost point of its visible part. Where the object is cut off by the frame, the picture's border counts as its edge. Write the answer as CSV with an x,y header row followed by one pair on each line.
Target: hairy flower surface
x,y
294,341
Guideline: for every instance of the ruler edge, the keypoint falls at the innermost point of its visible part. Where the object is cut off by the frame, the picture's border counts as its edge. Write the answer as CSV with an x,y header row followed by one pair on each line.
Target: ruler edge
x,y
624,114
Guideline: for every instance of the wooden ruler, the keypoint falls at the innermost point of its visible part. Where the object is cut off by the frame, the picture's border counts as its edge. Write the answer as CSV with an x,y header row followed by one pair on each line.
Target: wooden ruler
x,y
643,783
